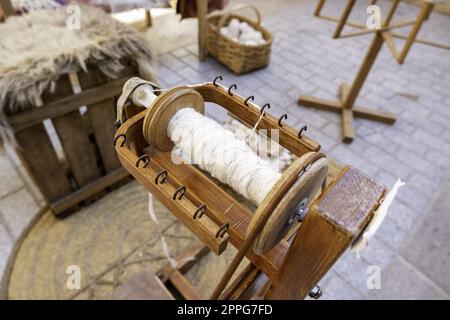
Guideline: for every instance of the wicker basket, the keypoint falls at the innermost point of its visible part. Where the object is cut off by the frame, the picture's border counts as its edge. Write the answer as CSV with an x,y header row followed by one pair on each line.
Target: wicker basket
x,y
239,58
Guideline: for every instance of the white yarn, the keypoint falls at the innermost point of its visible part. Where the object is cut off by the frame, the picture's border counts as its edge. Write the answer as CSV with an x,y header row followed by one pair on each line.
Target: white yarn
x,y
206,143
242,32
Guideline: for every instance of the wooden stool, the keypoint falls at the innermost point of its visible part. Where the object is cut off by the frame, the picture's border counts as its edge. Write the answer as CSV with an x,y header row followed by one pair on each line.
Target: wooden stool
x,y
143,286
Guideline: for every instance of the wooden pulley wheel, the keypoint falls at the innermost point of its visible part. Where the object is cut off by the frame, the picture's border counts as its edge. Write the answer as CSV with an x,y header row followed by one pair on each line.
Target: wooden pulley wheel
x,y
289,199
163,109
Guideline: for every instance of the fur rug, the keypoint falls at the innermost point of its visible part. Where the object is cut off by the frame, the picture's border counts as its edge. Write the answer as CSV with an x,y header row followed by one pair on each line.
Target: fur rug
x,y
37,48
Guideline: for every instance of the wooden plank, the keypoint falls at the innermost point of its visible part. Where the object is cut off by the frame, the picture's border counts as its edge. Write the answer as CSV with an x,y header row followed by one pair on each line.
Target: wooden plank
x,y
7,8
334,221
183,286
102,117
88,190
244,281
381,116
73,137
66,104
142,286
40,159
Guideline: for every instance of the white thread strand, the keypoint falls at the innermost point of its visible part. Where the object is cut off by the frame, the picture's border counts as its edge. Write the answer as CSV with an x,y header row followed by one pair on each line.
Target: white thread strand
x,y
151,211
213,148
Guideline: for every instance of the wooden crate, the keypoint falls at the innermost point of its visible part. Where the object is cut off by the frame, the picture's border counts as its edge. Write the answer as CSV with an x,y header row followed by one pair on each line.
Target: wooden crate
x,y
91,163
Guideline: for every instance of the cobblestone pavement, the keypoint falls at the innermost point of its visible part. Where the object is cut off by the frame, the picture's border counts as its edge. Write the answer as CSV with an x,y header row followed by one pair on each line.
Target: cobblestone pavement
x,y
412,247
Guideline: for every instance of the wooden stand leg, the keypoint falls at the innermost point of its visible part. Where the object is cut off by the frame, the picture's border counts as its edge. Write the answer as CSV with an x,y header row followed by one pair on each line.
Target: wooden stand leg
x,y
348,95
319,7
202,9
344,17
148,18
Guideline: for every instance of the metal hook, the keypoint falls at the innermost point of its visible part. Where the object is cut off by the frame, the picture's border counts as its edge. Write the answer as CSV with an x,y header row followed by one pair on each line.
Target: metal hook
x,y
181,189
162,173
199,212
284,116
144,158
215,79
267,105
249,98
124,139
229,89
222,230
315,293
304,128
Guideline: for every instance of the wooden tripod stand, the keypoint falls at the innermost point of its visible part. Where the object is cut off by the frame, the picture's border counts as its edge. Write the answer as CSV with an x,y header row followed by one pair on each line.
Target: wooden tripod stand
x,y
348,94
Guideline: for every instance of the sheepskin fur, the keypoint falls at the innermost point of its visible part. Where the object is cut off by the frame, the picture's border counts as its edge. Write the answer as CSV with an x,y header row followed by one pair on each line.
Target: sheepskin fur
x,y
37,48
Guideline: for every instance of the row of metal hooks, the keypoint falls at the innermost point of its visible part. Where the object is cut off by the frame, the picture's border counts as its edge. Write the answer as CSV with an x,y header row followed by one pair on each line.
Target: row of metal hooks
x,y
262,110
179,192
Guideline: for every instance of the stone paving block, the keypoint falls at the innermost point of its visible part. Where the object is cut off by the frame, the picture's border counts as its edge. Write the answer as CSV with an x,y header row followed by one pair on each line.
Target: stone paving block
x,y
402,281
392,233
427,248
378,253
404,214
354,271
9,178
339,289
172,62
18,209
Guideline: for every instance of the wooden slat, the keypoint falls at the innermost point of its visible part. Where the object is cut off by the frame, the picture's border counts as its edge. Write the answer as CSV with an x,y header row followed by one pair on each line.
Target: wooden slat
x,y
66,104
73,137
39,156
102,117
88,190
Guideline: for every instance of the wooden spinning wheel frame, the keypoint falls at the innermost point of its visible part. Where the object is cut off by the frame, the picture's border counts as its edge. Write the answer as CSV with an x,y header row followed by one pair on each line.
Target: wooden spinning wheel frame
x,y
294,266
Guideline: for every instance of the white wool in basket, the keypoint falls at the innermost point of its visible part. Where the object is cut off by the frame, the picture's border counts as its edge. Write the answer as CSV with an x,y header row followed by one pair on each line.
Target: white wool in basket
x,y
243,33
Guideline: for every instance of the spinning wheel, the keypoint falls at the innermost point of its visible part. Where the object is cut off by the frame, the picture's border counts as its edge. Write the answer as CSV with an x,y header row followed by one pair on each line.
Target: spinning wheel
x,y
285,262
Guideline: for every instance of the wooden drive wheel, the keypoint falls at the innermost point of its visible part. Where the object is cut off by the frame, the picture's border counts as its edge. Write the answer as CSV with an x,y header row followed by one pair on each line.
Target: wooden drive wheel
x,y
289,199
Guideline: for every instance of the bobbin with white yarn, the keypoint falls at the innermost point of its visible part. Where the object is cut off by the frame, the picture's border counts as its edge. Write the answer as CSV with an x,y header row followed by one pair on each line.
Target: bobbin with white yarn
x,y
176,118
